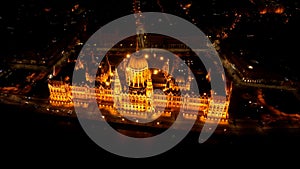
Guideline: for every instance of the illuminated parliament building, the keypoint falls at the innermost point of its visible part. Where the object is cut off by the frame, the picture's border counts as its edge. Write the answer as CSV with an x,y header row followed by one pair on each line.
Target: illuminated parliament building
x,y
141,95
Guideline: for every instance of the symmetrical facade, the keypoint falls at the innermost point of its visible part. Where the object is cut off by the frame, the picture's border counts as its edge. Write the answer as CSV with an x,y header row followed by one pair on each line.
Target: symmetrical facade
x,y
140,99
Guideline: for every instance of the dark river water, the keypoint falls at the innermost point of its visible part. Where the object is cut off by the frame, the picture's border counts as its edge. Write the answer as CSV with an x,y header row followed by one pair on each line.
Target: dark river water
x,y
26,134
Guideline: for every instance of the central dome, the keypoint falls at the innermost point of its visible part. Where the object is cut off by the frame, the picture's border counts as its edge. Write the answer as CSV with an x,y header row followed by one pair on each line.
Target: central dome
x,y
137,62
137,72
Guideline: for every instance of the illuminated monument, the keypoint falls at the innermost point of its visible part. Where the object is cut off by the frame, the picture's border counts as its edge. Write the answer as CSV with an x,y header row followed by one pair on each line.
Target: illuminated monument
x,y
138,98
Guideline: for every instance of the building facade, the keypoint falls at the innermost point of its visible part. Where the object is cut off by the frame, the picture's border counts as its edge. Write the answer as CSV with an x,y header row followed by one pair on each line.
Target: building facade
x,y
140,100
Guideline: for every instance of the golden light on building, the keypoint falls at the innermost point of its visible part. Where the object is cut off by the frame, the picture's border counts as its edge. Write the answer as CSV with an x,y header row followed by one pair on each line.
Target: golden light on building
x,y
279,10
140,100
137,72
263,11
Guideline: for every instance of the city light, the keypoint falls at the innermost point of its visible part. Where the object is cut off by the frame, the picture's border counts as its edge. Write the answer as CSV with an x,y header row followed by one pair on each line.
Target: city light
x,y
140,90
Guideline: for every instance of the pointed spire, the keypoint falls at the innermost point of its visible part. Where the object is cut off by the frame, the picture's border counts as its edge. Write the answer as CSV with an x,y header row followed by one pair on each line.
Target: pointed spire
x,y
116,74
109,66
